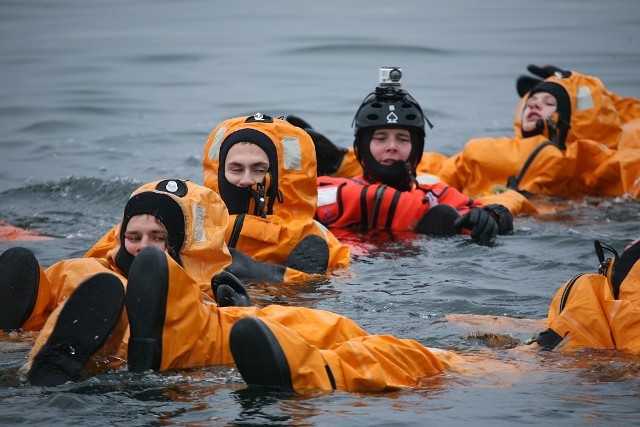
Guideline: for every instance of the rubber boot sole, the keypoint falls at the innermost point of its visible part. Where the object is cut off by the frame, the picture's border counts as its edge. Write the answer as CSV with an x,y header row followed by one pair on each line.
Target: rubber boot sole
x,y
310,255
146,303
85,322
258,355
19,283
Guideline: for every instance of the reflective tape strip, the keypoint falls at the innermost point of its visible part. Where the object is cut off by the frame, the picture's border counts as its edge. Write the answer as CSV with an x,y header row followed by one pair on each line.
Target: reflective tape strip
x,y
585,100
198,224
327,196
214,151
292,153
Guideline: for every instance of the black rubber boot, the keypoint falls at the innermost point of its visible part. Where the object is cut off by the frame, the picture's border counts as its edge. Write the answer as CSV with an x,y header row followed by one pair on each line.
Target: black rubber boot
x,y
310,255
248,270
146,303
19,282
85,322
258,355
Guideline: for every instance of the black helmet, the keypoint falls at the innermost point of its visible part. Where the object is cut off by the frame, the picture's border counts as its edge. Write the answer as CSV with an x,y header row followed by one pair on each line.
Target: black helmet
x,y
389,106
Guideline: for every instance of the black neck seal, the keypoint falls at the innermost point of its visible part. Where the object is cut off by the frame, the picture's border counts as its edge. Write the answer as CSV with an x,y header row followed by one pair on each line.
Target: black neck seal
x,y
399,175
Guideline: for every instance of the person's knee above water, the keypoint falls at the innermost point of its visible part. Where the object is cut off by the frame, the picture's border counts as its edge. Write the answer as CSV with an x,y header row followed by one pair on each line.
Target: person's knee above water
x,y
389,144
567,140
264,169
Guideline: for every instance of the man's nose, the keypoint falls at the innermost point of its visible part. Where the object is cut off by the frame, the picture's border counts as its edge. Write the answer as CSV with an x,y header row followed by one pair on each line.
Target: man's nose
x,y
144,242
247,179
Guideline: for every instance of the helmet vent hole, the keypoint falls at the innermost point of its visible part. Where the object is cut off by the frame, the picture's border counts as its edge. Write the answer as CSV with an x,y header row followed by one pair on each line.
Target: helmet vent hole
x,y
376,105
372,117
411,117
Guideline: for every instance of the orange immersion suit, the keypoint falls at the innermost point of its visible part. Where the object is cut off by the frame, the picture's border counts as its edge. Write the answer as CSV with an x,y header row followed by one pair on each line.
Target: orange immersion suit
x,y
196,331
590,162
598,311
10,232
345,202
269,233
60,279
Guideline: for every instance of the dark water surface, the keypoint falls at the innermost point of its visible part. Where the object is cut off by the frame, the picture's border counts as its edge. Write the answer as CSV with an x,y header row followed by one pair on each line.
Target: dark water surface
x,y
97,98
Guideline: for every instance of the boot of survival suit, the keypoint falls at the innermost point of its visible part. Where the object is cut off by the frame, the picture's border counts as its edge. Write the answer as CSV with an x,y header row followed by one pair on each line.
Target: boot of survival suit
x,y
82,325
30,293
310,256
364,363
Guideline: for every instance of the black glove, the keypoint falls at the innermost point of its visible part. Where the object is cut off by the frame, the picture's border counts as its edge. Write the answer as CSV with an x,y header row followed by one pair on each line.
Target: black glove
x,y
249,270
503,216
439,220
482,224
229,291
328,155
525,83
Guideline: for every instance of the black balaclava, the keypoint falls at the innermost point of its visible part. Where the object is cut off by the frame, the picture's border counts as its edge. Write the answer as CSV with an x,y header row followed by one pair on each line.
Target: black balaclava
x,y
563,110
163,207
399,175
237,199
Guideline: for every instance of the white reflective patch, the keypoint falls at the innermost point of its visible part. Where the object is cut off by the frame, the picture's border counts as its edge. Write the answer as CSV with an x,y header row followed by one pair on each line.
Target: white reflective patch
x,y
585,100
214,151
392,117
292,153
198,224
427,179
327,196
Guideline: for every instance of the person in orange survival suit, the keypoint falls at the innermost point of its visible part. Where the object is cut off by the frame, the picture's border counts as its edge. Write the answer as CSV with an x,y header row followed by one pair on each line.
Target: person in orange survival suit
x,y
597,310
273,236
592,149
569,151
29,293
274,211
172,327
389,144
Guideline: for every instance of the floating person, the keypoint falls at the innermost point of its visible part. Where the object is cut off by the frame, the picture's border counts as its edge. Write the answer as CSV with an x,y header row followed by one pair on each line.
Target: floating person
x,y
162,322
264,169
390,194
